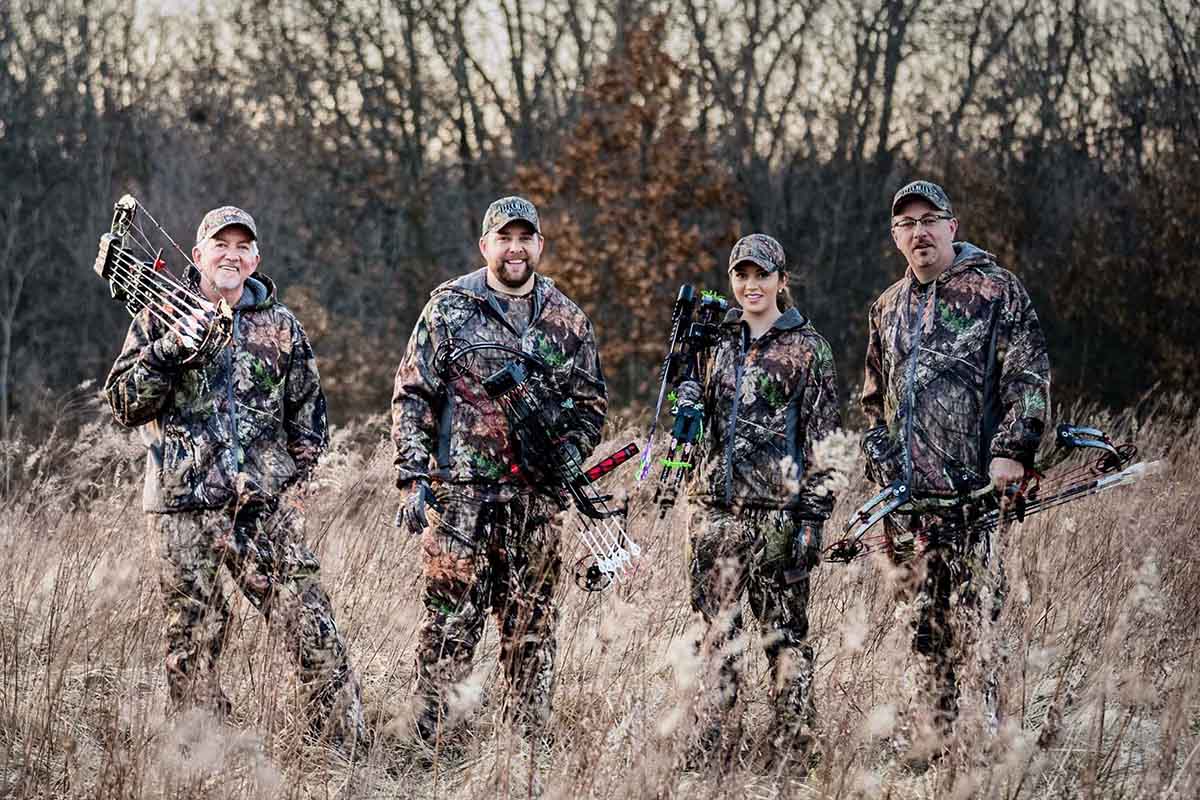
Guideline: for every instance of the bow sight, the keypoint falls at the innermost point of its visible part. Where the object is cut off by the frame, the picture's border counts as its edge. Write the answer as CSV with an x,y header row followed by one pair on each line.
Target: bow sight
x,y
205,328
695,328
539,429
953,519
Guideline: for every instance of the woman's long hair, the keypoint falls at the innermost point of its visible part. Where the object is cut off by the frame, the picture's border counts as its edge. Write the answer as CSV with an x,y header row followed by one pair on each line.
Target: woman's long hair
x,y
784,299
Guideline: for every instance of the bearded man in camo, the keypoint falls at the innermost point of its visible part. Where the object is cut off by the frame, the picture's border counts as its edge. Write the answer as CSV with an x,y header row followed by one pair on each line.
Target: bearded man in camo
x,y
770,399
231,442
956,394
490,539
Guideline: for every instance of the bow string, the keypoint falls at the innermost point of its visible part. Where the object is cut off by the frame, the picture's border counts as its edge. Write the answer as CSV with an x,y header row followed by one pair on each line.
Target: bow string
x,y
138,277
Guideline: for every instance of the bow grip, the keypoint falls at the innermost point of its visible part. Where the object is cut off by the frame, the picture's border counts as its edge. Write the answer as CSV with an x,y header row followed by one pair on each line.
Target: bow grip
x,y
110,245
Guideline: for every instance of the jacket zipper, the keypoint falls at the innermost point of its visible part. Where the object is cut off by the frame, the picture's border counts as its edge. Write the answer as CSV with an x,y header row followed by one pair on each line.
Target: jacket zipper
x,y
738,370
916,329
229,386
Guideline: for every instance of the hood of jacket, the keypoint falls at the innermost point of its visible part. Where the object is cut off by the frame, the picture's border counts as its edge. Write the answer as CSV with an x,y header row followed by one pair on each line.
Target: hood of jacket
x,y
258,292
788,320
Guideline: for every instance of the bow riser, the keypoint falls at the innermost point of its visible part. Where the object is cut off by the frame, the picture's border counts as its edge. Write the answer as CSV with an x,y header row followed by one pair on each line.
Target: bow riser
x,y
204,328
980,509
695,329
950,531
537,429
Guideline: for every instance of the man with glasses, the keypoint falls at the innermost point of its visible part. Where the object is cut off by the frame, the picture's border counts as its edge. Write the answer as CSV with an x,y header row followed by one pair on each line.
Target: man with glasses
x,y
956,395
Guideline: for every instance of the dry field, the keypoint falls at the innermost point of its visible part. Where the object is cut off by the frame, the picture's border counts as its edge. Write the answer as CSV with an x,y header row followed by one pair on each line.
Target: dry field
x,y
1100,625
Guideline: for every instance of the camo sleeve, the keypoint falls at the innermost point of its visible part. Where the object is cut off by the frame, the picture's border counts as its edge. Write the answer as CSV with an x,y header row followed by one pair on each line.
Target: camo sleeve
x,y
416,393
589,393
305,422
137,387
821,417
1024,379
876,440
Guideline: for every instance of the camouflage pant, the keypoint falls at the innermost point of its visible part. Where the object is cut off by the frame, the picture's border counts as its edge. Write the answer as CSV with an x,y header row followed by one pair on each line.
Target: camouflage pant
x,y
266,555
730,554
481,556
957,591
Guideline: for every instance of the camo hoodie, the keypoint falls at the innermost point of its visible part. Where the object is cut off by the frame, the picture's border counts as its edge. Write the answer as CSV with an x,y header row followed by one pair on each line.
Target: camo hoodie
x,y
767,402
451,430
239,429
956,374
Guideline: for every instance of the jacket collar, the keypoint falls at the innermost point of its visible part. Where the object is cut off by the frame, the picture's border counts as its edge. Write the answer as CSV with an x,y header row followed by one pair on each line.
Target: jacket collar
x,y
790,319
475,285
966,255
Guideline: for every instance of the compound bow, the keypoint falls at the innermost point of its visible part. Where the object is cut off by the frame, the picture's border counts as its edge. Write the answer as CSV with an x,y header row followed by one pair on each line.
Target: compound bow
x,y
695,328
204,327
538,426
979,511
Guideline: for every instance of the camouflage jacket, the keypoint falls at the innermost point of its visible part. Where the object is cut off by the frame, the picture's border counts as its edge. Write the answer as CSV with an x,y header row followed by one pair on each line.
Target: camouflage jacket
x,y
766,403
239,429
446,427
956,374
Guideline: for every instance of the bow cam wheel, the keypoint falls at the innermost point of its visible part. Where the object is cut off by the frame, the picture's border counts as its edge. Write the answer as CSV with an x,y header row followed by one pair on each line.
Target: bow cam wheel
x,y
589,576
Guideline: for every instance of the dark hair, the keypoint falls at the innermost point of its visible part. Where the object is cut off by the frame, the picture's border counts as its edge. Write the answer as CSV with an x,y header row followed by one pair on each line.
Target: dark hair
x,y
784,299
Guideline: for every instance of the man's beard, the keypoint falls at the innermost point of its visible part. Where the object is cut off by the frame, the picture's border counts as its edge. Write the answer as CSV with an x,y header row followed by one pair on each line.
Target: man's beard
x,y
514,281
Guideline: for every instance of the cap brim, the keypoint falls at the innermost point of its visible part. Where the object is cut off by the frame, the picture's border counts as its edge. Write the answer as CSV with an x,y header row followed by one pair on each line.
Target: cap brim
x,y
215,231
900,201
511,220
766,266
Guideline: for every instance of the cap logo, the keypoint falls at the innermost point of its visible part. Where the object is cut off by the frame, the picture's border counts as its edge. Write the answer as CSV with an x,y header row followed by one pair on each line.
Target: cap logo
x,y
513,208
507,209
926,189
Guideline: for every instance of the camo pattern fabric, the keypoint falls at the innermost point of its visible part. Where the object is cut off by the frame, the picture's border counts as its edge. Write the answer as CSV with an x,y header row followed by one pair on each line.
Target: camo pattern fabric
x,y
752,551
767,402
444,424
482,556
956,590
236,430
265,554
956,374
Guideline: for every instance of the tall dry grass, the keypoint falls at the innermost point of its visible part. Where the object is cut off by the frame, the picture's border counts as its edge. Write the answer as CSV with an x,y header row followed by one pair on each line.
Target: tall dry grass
x,y
1099,638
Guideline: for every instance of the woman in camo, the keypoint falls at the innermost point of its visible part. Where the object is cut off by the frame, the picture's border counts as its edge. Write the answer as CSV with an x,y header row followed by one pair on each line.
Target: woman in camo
x,y
759,504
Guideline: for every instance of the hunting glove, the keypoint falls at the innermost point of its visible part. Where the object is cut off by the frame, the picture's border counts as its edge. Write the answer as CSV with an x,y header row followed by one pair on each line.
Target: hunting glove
x,y
883,455
807,543
688,393
570,456
172,352
411,514
806,550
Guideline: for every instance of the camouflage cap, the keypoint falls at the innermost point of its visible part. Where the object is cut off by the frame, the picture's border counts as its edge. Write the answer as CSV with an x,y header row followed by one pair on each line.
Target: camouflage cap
x,y
926,190
762,250
220,218
507,209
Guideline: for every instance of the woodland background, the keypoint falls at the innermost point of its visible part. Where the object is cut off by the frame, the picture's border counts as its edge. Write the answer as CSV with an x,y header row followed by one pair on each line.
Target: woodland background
x,y
367,138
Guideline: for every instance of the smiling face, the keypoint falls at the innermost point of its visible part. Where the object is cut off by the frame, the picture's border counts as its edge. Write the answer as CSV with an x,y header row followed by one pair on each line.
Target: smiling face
x,y
225,261
512,254
928,247
755,289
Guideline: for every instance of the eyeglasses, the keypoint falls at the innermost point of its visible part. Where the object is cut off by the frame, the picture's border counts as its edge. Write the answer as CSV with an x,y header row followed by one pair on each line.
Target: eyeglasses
x,y
908,224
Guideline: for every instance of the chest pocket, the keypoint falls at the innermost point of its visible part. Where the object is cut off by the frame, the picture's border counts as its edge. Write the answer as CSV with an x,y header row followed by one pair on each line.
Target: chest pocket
x,y
259,377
